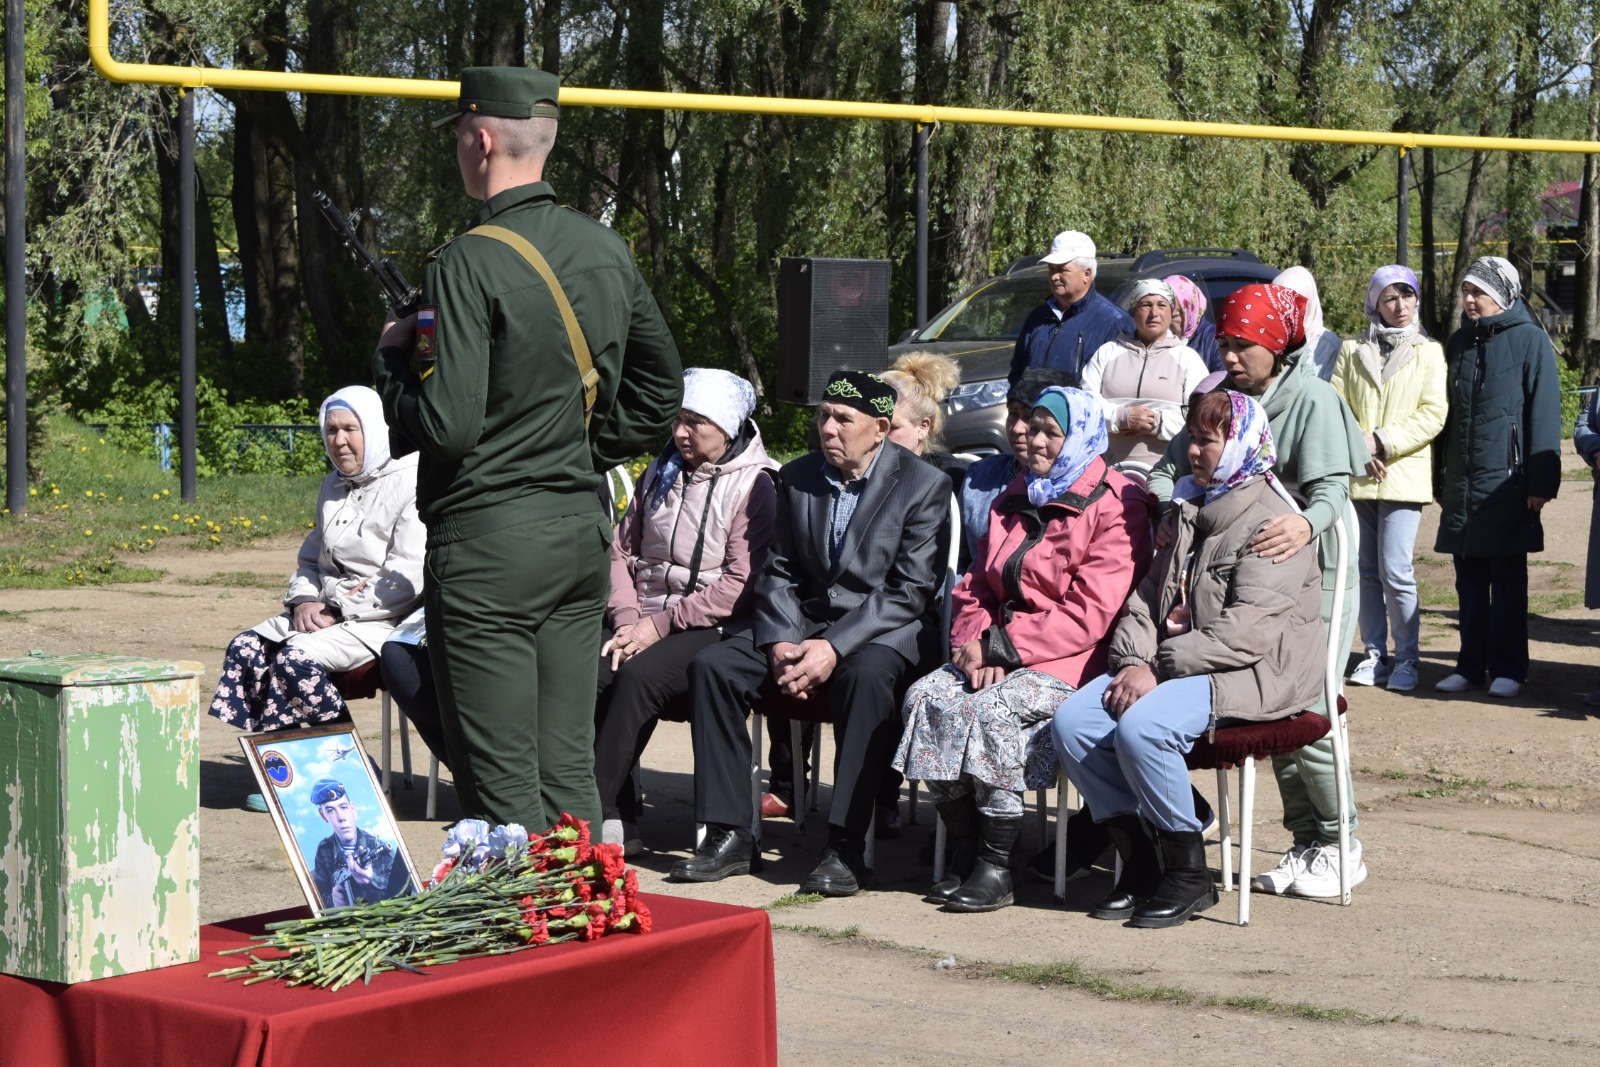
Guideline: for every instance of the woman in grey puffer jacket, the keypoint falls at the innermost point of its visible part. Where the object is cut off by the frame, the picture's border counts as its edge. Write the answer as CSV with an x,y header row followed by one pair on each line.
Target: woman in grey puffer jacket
x,y
1501,463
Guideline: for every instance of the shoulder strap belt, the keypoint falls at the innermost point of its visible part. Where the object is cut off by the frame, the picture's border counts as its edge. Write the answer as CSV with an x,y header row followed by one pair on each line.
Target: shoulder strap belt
x,y
580,347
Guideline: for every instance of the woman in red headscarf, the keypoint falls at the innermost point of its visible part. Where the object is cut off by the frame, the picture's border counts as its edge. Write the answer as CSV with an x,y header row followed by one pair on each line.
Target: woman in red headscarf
x,y
1320,447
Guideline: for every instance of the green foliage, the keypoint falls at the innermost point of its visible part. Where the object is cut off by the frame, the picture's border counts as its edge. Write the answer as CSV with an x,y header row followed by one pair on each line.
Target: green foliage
x,y
222,444
94,501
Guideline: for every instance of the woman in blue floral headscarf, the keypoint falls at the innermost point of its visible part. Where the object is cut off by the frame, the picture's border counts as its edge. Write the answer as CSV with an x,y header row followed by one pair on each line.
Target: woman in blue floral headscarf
x,y
1215,631
1067,540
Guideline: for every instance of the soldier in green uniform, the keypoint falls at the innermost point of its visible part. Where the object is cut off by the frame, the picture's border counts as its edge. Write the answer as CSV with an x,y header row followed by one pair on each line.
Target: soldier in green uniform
x,y
538,357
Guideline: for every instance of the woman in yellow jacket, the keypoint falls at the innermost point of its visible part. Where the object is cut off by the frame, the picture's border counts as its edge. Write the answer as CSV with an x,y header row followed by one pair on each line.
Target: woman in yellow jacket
x,y
1394,381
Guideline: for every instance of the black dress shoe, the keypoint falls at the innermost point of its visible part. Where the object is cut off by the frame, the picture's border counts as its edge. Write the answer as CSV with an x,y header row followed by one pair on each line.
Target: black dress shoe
x,y
726,850
834,876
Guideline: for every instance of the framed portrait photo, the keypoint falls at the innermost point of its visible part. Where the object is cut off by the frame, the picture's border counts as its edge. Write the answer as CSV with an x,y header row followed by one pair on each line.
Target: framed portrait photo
x,y
333,818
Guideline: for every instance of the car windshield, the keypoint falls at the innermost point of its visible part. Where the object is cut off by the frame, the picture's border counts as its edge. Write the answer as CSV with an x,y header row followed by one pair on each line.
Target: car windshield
x,y
993,312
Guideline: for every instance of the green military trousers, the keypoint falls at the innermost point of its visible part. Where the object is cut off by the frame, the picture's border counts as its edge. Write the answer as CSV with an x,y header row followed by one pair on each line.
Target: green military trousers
x,y
514,637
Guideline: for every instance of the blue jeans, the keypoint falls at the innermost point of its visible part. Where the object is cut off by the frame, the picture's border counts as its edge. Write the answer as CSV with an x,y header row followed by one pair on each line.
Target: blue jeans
x,y
1135,764
1388,582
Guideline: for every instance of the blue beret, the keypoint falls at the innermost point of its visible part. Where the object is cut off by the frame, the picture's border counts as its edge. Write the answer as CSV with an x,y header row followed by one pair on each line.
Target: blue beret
x,y
326,790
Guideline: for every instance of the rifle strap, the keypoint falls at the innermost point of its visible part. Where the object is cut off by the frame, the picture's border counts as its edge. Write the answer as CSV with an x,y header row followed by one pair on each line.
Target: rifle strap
x,y
580,347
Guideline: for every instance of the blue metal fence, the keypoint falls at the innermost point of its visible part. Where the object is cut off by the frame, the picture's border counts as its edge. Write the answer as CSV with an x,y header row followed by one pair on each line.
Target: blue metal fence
x,y
283,436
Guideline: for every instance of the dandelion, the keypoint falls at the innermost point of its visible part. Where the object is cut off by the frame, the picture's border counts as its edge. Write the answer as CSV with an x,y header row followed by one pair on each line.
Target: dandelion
x,y
89,493
102,440
246,522
166,492
54,491
263,518
88,533
176,516
217,539
155,496
33,492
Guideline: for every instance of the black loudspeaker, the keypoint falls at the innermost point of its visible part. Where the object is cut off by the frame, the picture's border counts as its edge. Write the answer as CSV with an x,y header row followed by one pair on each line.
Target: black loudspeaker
x,y
833,314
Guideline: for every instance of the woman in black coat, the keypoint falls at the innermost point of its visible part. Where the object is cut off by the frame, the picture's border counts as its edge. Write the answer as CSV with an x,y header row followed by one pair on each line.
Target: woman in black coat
x,y
1501,463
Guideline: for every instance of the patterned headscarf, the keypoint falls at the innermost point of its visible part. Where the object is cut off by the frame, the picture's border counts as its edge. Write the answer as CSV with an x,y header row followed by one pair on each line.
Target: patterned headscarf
x,y
1247,452
1082,418
1191,305
1497,277
1268,315
1150,287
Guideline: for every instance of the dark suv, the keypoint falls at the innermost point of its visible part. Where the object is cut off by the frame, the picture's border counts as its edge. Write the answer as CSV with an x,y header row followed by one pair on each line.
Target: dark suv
x,y
979,330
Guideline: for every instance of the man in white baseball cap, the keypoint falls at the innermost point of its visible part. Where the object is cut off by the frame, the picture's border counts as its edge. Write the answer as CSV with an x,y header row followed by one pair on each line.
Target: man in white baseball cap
x,y
1064,331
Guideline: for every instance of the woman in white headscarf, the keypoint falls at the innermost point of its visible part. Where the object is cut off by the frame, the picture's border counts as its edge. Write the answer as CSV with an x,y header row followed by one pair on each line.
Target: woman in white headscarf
x,y
1322,345
359,575
698,527
1144,378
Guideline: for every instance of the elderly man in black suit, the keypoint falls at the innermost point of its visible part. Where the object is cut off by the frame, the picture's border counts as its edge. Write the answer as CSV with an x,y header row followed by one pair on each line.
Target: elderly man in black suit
x,y
842,608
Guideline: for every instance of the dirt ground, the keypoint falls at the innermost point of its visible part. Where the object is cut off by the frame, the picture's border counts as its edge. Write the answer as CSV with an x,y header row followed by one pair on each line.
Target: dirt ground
x,y
1474,941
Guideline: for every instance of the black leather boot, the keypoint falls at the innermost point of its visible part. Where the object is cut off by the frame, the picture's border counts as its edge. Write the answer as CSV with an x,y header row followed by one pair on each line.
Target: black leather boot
x,y
1186,887
1141,867
961,827
988,887
726,850
1087,841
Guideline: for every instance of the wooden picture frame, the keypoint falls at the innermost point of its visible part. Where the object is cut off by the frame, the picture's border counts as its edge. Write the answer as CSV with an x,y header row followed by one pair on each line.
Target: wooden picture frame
x,y
345,848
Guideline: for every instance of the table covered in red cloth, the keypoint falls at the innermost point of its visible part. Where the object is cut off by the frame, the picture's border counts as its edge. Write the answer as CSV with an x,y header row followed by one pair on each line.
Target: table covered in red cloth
x,y
697,989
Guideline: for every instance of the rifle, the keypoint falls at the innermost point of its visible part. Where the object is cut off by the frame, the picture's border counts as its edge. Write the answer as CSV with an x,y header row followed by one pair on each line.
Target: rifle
x,y
401,296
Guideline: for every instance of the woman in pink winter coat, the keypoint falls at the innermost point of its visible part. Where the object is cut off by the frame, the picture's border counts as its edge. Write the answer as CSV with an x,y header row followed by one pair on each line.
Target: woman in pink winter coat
x,y
1068,540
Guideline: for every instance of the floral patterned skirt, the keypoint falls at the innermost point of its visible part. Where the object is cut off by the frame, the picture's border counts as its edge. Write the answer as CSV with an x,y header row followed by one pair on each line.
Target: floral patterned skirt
x,y
999,736
270,686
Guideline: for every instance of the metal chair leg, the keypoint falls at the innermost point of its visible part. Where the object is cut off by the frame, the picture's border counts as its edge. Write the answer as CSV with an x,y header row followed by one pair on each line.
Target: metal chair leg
x,y
405,745
802,796
1225,830
1063,796
755,784
939,835
1247,804
433,787
384,734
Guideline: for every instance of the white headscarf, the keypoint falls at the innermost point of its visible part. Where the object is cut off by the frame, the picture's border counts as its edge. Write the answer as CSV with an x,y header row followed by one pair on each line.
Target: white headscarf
x,y
721,396
368,408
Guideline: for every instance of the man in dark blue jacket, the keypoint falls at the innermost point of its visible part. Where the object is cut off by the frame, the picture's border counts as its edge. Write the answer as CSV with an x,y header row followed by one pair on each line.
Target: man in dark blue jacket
x,y
1064,331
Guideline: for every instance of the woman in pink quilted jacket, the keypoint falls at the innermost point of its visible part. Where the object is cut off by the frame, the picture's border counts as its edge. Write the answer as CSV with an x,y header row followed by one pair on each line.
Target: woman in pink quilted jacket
x,y
698,526
1068,540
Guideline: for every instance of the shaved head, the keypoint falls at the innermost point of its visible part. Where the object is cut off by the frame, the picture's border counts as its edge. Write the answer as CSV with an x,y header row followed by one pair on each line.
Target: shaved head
x,y
521,141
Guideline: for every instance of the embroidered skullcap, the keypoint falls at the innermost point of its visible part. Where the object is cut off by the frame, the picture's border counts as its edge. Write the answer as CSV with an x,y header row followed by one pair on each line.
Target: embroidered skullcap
x,y
1268,315
865,392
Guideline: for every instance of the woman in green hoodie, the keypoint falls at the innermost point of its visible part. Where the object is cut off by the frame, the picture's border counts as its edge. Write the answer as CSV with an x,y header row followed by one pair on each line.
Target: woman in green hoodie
x,y
1320,446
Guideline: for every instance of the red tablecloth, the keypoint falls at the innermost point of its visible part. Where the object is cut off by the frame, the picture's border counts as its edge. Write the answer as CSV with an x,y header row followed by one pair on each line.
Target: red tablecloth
x,y
698,989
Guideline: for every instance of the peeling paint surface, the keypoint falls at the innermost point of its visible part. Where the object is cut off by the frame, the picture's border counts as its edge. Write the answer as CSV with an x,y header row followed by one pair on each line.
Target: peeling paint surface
x,y
99,818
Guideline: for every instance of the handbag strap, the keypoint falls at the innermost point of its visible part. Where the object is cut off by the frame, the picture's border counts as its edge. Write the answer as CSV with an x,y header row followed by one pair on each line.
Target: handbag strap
x,y
580,347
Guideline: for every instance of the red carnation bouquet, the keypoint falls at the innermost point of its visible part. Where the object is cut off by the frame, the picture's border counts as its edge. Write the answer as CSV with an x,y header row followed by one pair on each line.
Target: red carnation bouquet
x,y
495,891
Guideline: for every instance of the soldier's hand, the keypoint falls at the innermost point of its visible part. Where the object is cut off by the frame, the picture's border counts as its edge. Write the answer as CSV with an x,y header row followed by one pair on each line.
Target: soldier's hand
x,y
399,333
358,873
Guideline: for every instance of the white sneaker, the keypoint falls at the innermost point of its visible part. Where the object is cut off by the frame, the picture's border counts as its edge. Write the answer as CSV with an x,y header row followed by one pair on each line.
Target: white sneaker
x,y
1370,671
1403,679
620,832
1291,866
1320,877
1504,687
1455,683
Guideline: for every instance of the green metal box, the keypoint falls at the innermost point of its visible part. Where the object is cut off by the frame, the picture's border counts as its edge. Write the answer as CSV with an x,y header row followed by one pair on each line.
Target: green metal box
x,y
99,815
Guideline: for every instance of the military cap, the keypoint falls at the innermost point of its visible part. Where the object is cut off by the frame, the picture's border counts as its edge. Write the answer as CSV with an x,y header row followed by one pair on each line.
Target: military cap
x,y
507,92
326,790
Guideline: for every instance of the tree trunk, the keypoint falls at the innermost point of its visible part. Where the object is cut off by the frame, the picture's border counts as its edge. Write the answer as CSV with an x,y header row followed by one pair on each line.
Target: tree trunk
x,y
984,35
1428,276
1522,192
342,300
550,37
646,162
499,33
1467,234
1585,346
732,327
214,341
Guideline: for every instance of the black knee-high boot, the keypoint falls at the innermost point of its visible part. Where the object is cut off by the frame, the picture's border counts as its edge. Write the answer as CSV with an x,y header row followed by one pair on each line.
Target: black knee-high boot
x,y
960,818
988,888
1186,887
1141,867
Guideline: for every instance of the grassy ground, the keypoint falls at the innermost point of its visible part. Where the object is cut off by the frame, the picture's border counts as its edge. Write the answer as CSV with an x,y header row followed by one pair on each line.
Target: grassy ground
x,y
96,509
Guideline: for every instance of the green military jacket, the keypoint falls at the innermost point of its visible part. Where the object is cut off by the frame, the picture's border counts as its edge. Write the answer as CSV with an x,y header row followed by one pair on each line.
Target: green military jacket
x,y
499,421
